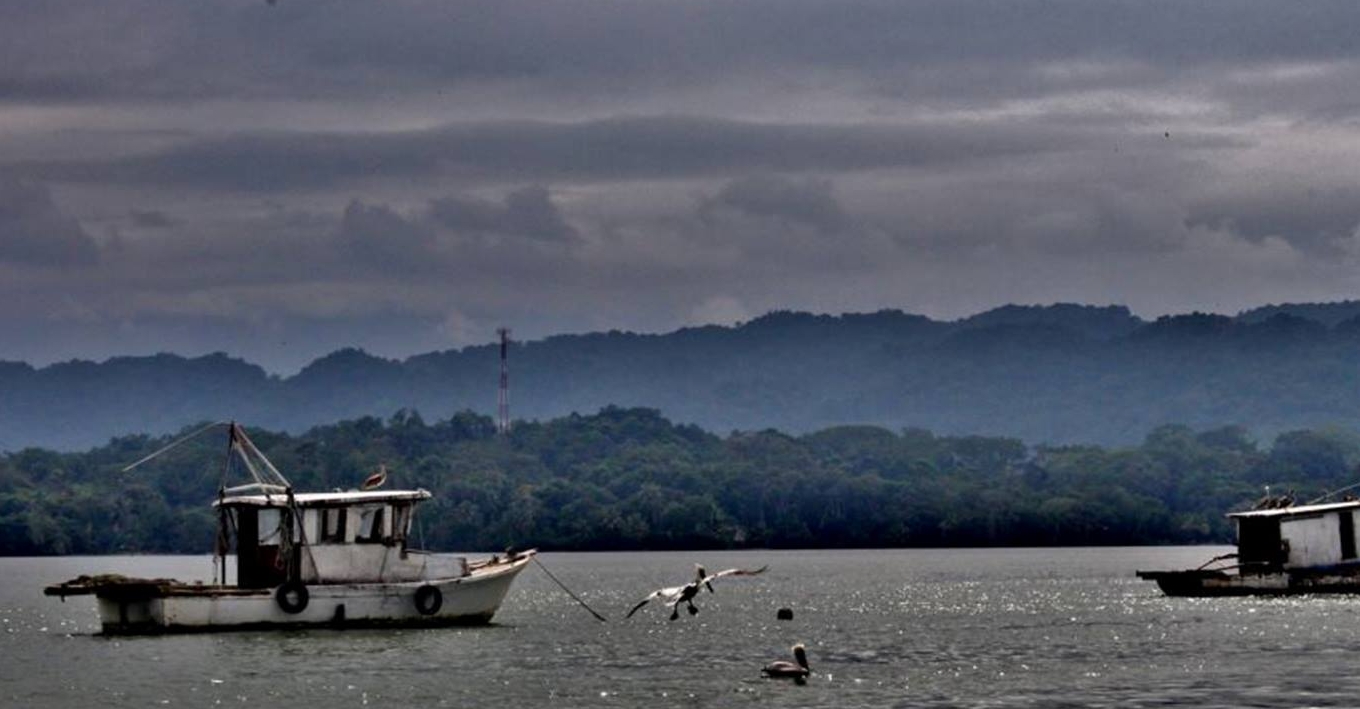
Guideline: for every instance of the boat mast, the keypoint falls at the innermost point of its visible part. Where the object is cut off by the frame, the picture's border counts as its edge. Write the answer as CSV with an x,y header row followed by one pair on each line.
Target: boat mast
x,y
503,404
268,479
223,544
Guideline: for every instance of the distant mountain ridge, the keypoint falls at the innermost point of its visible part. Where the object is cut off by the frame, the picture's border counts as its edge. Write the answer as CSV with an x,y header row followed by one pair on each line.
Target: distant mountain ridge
x,y
1329,314
1101,323
1058,373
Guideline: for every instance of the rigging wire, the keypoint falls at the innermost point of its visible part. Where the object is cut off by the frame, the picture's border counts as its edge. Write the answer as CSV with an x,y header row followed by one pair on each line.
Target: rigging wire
x,y
1326,495
175,444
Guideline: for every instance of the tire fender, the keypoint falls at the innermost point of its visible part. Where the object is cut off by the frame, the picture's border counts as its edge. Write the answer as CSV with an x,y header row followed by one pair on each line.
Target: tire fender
x,y
428,599
292,597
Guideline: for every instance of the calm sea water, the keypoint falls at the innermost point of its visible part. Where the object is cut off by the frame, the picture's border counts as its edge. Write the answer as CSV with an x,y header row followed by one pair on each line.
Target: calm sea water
x,y
970,628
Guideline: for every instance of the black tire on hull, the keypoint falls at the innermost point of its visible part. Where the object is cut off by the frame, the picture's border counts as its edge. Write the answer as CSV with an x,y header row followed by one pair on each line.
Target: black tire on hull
x,y
292,597
428,600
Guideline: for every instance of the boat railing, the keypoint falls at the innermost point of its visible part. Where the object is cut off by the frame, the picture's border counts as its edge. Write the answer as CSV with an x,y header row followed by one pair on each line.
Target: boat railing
x,y
266,488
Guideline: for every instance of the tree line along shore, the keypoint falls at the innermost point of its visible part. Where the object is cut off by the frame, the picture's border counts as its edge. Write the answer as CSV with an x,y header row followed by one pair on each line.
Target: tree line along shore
x,y
629,479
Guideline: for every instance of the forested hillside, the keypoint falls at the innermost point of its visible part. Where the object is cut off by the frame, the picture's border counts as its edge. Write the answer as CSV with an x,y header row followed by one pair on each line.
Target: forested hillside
x,y
631,479
1057,374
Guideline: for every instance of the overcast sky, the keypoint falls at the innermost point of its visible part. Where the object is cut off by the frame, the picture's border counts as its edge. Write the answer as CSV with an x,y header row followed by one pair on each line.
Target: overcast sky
x,y
278,181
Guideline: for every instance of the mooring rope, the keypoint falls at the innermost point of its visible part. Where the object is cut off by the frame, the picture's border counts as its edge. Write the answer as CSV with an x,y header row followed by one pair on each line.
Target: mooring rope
x,y
569,593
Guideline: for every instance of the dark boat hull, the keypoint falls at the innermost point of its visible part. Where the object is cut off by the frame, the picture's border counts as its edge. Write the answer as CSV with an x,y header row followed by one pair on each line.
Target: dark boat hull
x,y
1211,583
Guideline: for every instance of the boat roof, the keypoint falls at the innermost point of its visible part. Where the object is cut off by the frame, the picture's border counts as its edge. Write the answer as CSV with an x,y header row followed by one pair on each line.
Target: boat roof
x,y
1299,509
325,499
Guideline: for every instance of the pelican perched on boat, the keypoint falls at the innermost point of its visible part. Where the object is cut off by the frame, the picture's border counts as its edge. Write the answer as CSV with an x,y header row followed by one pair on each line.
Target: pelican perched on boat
x,y
673,596
783,669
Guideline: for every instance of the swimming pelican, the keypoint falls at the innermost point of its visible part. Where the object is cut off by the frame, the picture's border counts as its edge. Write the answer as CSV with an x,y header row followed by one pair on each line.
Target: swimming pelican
x,y
783,669
673,596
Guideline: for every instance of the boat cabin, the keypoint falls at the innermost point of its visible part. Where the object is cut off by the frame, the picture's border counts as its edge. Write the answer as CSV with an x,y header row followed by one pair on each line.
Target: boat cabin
x,y
1306,536
326,537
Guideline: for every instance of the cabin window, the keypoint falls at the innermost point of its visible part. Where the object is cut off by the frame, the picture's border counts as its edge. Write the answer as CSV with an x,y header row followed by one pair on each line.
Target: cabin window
x,y
1347,525
246,523
333,525
370,524
269,527
401,521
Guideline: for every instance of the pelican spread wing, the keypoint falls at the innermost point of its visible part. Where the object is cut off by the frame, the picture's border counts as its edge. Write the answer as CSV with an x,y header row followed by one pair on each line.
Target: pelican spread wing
x,y
707,580
735,572
668,595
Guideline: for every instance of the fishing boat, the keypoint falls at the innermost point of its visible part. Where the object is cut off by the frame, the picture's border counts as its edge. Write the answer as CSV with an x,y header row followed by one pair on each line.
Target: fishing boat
x,y
1282,549
337,559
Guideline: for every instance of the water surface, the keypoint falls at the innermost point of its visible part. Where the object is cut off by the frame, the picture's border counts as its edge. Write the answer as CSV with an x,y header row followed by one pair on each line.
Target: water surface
x,y
970,628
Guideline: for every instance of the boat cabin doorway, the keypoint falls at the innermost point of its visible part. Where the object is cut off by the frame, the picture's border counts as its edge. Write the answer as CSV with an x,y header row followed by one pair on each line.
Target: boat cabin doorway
x,y
260,561
1259,544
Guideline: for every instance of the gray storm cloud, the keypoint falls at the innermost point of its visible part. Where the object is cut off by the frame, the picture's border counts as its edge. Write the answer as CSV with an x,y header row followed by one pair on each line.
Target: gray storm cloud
x,y
281,180
528,211
607,149
806,202
35,232
378,237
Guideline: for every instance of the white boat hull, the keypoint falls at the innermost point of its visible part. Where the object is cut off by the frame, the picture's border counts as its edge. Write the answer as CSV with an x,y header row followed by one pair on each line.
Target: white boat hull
x,y
466,600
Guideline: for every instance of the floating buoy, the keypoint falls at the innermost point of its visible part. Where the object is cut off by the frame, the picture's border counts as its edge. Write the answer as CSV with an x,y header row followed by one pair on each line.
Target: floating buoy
x,y
784,614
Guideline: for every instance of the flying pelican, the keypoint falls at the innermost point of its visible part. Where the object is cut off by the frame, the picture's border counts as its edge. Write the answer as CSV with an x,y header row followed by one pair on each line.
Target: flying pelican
x,y
783,669
673,596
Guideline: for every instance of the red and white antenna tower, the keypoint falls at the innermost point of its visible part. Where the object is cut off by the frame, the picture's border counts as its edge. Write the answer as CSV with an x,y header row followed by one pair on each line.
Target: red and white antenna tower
x,y
503,407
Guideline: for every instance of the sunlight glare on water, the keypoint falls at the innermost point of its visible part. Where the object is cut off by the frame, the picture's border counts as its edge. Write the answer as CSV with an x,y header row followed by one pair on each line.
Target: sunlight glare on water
x,y
971,628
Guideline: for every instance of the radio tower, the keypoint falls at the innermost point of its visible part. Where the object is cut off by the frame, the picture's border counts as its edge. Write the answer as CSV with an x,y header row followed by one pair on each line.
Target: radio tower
x,y
503,407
